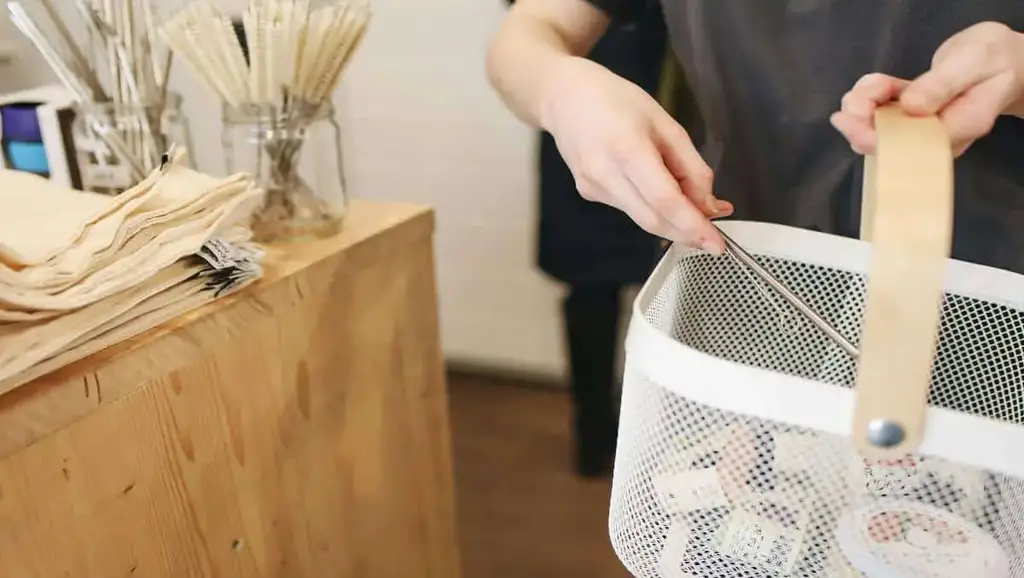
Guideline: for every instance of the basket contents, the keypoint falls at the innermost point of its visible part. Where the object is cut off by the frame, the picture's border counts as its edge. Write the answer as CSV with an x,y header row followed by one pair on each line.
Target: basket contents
x,y
276,67
905,539
734,464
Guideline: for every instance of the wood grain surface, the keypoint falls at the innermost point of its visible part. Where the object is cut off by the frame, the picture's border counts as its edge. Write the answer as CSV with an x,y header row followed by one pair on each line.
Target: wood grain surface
x,y
296,429
908,218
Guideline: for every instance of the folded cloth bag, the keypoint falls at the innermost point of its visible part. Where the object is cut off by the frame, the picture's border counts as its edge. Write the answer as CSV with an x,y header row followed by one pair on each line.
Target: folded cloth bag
x,y
41,220
170,194
159,309
22,345
238,235
189,294
144,253
138,265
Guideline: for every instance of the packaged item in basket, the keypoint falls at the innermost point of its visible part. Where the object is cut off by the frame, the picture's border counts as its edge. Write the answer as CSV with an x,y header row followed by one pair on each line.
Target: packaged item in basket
x,y
768,533
882,478
708,474
739,461
961,489
924,479
837,566
805,457
691,490
672,561
694,453
761,535
903,539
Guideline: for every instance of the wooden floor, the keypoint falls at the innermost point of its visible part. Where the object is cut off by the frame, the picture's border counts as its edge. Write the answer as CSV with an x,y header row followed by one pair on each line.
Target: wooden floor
x,y
522,513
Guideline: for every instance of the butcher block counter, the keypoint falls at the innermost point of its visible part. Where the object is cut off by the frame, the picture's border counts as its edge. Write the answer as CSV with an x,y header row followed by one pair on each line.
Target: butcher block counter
x,y
296,429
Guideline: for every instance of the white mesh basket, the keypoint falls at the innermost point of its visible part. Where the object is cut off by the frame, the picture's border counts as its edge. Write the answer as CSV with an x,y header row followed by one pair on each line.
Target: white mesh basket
x,y
738,454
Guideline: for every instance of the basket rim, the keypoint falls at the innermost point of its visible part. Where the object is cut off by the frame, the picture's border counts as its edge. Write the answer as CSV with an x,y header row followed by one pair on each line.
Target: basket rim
x,y
765,394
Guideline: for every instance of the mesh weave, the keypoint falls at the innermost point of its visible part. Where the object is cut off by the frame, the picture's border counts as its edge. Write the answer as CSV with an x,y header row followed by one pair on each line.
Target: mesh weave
x,y
704,492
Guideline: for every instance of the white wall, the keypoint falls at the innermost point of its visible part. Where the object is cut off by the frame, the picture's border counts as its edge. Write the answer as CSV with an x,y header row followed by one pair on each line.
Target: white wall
x,y
420,124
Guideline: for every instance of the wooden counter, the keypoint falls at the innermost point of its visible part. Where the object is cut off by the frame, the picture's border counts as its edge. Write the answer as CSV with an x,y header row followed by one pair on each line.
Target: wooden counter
x,y
296,429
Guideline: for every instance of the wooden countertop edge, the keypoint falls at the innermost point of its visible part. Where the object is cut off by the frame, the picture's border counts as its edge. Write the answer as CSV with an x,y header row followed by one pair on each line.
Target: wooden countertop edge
x,y
58,399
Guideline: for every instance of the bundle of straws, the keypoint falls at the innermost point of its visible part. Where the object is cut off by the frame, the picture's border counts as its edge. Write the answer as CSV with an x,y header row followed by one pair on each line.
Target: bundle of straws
x,y
113,67
286,55
275,66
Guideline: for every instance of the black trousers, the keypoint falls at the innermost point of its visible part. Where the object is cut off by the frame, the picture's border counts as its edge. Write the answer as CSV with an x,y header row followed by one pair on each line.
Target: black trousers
x,y
591,314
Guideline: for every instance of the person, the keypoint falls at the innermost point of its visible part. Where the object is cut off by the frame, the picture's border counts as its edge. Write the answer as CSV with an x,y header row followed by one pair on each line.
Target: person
x,y
787,91
596,251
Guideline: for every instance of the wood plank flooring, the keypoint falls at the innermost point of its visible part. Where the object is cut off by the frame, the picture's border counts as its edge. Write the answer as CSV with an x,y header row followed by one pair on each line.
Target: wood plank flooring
x,y
522,512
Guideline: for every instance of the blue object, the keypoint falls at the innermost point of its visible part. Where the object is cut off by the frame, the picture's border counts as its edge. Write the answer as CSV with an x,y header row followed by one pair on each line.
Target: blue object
x,y
28,156
20,122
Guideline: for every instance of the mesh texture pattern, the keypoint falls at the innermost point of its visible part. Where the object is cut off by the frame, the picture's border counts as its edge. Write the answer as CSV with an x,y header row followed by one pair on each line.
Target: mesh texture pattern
x,y
703,492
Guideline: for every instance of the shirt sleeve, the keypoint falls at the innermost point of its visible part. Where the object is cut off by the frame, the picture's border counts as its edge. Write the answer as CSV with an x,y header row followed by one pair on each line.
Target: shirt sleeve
x,y
623,10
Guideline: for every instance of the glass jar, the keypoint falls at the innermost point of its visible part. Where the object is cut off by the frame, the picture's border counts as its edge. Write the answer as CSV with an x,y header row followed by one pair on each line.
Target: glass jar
x,y
117,145
294,155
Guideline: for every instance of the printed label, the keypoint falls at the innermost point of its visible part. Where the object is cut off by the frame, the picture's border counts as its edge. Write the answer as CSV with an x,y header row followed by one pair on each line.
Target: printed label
x,y
760,542
106,177
890,477
686,492
219,254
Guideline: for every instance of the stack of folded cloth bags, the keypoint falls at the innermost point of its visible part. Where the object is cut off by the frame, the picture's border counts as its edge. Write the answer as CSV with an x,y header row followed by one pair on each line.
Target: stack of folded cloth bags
x,y
80,271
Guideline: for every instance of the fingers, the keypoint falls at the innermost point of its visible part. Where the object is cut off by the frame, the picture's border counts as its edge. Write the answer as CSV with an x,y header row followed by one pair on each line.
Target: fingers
x,y
660,190
858,132
606,182
856,118
869,92
688,168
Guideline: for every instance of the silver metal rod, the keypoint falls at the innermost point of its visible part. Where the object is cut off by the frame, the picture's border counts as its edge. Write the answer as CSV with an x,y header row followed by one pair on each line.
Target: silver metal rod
x,y
795,301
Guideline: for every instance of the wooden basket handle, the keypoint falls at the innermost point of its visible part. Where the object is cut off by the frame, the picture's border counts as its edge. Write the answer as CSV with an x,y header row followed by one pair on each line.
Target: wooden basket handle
x,y
907,215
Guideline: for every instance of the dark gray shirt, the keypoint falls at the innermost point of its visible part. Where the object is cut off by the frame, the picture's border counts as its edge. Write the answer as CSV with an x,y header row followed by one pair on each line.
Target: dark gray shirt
x,y
768,75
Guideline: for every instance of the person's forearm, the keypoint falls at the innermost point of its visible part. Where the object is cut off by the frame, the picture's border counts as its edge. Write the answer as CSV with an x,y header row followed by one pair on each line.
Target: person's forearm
x,y
526,53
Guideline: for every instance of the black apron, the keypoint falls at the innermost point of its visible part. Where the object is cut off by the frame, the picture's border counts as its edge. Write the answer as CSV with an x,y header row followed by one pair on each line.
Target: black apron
x,y
767,75
585,243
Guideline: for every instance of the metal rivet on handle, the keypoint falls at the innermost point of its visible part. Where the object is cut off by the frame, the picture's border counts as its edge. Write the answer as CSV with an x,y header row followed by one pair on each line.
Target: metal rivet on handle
x,y
885,433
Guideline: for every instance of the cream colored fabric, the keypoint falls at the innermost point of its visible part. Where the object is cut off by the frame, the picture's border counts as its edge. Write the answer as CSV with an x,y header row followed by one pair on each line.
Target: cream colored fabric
x,y
22,345
41,220
234,235
141,258
80,272
169,215
150,313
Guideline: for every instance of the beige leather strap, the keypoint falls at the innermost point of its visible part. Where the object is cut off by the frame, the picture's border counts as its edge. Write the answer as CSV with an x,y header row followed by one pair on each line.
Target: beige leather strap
x,y
908,217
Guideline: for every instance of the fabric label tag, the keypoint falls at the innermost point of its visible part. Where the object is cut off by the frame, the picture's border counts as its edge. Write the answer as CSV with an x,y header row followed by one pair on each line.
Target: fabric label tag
x,y
686,492
761,542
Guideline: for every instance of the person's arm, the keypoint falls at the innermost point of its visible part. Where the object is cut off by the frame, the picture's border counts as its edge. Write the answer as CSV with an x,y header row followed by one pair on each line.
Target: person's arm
x,y
622,148
534,39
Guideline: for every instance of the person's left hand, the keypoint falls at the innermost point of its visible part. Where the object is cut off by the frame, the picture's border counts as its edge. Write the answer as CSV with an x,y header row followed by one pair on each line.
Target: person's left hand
x,y
976,76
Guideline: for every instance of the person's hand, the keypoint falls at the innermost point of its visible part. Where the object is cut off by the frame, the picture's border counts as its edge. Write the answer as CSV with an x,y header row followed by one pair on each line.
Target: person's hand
x,y
976,76
624,150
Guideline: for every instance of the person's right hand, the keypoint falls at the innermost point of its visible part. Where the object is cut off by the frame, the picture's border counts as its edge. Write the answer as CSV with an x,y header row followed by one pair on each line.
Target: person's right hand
x,y
624,150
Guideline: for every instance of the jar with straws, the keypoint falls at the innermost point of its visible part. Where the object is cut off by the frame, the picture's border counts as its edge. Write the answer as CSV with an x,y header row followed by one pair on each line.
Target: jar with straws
x,y
302,199
147,131
276,67
126,116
